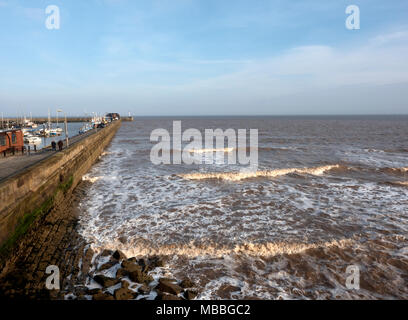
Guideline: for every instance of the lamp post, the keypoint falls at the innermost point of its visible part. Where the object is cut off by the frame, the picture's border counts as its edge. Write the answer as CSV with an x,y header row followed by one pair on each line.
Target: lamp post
x,y
66,127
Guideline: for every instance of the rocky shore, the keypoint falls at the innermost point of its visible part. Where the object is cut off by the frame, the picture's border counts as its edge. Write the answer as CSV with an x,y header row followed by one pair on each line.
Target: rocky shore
x,y
84,273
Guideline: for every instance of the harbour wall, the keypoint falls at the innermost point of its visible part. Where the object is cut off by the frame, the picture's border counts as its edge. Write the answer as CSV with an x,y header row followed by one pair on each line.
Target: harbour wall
x,y
31,194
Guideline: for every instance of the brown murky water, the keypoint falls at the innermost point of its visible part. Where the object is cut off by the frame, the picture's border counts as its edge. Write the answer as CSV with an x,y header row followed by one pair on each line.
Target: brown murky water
x,y
330,192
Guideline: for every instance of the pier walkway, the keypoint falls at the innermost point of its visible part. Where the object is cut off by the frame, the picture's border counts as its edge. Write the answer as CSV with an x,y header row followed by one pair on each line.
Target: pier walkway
x,y
13,165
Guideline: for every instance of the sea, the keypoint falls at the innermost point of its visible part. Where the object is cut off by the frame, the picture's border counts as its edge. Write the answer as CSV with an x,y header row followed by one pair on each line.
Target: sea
x,y
324,216
72,130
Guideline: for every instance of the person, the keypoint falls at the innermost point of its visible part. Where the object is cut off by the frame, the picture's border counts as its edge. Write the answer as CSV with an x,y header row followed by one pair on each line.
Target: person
x,y
54,145
60,144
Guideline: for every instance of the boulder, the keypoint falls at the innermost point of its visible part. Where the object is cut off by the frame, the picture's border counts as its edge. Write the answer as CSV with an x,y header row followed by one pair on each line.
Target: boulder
x,y
190,294
102,296
169,286
106,252
140,277
107,265
167,296
131,266
119,255
155,262
144,289
124,294
105,281
187,283
125,284
121,273
93,292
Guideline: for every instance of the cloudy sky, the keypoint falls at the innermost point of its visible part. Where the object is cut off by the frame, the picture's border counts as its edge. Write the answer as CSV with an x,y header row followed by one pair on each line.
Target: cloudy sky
x,y
204,57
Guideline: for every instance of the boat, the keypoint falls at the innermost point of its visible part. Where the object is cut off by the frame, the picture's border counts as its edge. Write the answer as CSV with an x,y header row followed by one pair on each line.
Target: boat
x,y
85,128
32,140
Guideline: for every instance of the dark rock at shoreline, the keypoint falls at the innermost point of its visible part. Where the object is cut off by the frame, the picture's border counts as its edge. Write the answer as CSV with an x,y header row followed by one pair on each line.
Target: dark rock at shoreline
x,y
155,262
119,255
125,284
140,277
131,266
93,292
122,273
144,289
166,296
190,294
102,297
104,281
124,294
107,265
106,252
187,283
169,286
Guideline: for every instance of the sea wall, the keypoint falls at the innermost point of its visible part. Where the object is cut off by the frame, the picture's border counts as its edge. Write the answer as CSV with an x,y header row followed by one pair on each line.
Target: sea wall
x,y
34,192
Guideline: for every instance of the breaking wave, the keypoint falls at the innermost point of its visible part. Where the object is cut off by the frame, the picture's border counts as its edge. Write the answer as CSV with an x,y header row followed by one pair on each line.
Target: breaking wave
x,y
91,179
225,150
398,171
213,250
237,176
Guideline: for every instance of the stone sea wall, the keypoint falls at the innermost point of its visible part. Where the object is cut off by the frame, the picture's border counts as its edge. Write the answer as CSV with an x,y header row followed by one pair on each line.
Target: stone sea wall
x,y
34,192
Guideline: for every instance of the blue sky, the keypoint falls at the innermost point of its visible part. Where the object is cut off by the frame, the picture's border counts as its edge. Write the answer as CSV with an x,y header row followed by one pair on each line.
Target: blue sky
x,y
191,57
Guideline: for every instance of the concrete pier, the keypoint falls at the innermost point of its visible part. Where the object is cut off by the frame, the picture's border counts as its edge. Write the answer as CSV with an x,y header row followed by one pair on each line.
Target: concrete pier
x,y
33,189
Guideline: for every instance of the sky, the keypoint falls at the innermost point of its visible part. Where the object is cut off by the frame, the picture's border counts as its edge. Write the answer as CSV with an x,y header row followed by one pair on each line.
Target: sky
x,y
204,57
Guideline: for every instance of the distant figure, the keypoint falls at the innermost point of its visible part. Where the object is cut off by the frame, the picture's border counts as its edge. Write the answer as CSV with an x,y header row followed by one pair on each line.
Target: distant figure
x,y
60,144
54,146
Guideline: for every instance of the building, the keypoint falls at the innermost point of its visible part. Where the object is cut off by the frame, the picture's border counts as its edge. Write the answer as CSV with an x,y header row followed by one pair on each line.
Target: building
x,y
113,116
11,138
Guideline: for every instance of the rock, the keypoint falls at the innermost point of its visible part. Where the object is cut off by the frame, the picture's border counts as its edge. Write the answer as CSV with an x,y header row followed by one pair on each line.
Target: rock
x,y
119,255
167,296
190,294
144,289
107,265
187,283
155,262
140,277
131,266
123,239
125,284
169,286
142,262
94,291
122,273
102,297
106,252
80,290
105,281
124,294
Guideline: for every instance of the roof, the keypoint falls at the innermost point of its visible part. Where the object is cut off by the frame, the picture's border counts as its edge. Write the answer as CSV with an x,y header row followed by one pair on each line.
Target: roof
x,y
9,130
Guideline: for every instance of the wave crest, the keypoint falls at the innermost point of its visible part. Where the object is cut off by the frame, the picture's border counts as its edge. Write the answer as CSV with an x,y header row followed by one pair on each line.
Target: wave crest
x,y
194,250
237,176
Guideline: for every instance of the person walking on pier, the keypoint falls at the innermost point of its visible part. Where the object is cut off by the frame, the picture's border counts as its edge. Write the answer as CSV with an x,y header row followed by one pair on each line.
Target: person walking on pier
x,y
54,145
60,144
